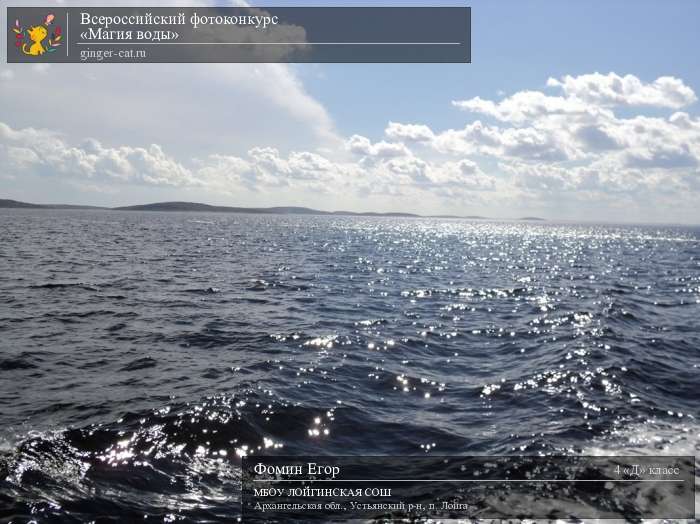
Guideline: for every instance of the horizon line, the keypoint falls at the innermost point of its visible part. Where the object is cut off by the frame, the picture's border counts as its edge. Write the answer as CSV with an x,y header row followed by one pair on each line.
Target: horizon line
x,y
9,203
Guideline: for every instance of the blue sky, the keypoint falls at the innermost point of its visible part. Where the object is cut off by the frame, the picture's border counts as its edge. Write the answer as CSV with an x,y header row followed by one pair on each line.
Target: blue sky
x,y
569,110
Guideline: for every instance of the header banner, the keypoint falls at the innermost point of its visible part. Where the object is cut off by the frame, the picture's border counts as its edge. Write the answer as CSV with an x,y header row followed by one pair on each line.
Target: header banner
x,y
239,34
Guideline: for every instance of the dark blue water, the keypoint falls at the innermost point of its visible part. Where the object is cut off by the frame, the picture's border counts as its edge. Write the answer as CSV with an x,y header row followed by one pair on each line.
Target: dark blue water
x,y
141,354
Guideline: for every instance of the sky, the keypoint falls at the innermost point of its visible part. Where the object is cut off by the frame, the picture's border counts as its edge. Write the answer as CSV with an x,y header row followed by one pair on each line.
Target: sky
x,y
569,111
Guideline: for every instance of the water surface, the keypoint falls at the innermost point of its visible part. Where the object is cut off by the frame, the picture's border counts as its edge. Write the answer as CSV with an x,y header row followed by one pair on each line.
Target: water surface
x,y
141,354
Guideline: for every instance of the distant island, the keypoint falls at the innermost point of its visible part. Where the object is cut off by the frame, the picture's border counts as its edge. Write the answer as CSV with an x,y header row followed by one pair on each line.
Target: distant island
x,y
206,208
6,203
279,210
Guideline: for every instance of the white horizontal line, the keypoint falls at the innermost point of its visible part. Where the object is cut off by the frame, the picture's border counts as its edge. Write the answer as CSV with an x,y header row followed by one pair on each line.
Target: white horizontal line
x,y
465,480
268,43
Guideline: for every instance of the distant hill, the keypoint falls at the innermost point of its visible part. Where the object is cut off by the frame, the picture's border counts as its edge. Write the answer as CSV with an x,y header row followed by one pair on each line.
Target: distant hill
x,y
279,210
197,207
179,206
534,219
25,205
16,204
194,206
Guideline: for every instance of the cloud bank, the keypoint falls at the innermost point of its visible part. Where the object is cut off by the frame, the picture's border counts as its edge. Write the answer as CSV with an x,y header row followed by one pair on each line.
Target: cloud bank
x,y
589,142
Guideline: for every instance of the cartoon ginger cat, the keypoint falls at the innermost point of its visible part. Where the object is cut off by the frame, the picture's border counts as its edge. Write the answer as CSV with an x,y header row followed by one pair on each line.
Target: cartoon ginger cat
x,y
37,35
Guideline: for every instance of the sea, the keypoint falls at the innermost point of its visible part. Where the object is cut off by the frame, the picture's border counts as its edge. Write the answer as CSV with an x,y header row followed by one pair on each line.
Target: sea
x,y
143,354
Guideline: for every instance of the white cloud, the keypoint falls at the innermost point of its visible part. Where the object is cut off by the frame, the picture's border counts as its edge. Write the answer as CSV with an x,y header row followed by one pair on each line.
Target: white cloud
x,y
362,146
47,153
531,143
613,89
587,98
409,132
524,106
463,174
